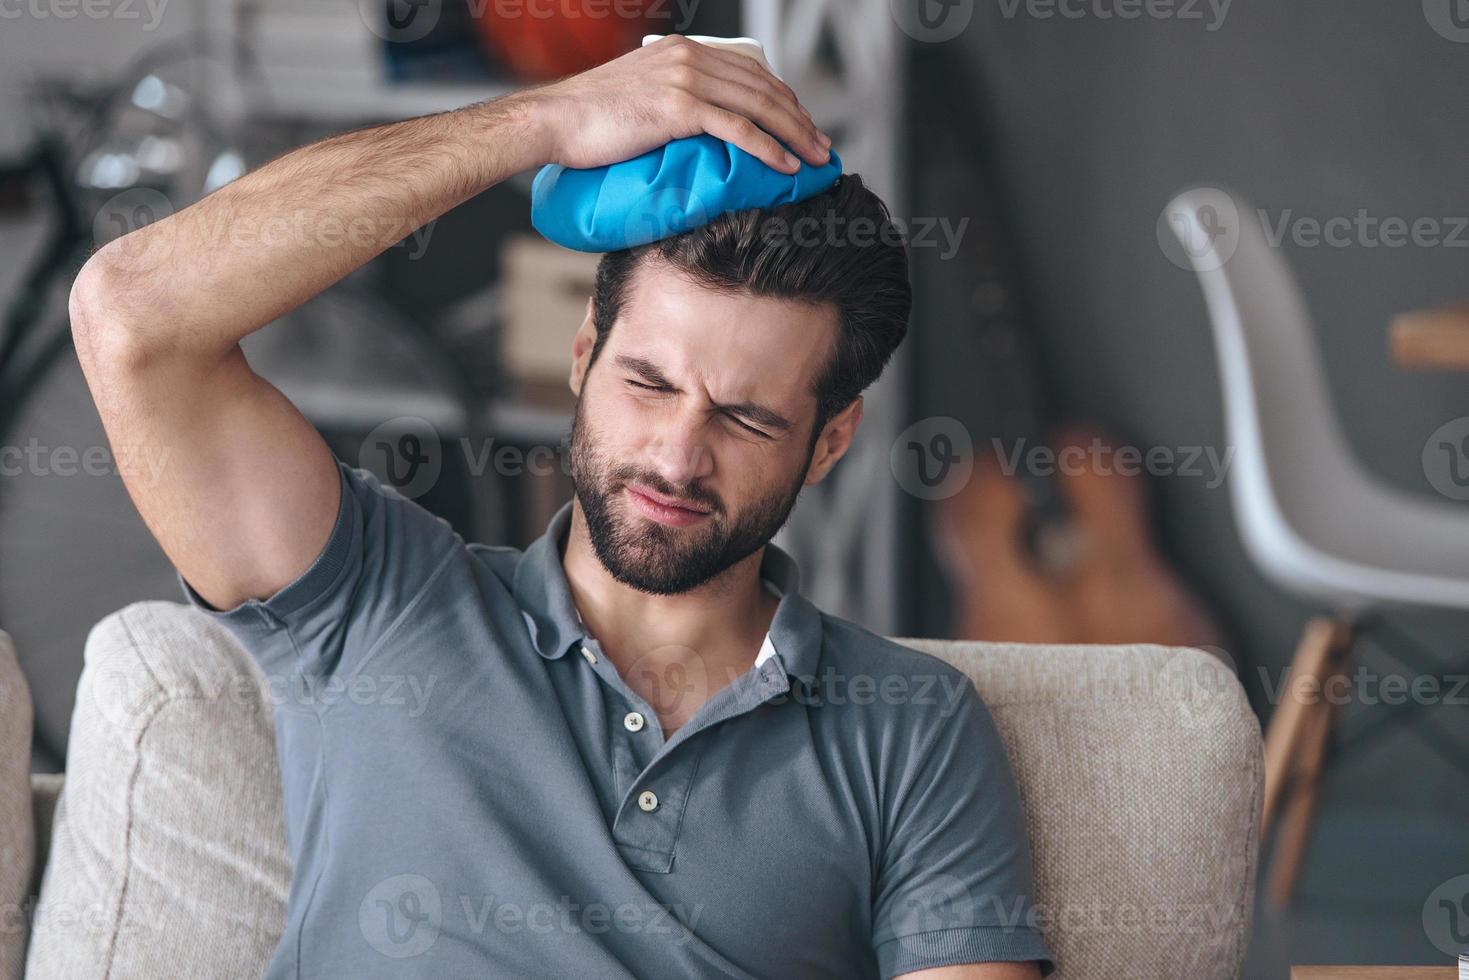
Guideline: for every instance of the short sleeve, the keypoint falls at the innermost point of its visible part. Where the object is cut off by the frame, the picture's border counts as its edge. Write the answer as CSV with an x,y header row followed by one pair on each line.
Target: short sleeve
x,y
955,883
383,552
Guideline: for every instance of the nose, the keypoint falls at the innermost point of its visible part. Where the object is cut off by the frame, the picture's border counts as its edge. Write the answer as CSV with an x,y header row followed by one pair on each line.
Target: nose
x,y
681,453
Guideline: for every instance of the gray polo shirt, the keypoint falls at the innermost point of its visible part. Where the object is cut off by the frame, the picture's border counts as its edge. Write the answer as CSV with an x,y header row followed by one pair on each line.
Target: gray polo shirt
x,y
472,790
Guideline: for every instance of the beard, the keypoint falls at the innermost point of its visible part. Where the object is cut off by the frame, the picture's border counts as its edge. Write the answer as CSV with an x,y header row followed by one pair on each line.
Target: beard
x,y
653,557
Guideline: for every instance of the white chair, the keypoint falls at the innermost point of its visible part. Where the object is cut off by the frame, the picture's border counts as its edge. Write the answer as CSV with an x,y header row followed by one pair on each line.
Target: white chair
x,y
1311,517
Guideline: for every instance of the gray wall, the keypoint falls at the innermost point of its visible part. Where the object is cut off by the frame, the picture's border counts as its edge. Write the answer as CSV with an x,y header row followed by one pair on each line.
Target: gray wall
x,y
1323,109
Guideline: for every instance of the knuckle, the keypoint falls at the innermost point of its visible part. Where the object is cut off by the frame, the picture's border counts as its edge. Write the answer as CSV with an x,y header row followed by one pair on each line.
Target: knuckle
x,y
683,76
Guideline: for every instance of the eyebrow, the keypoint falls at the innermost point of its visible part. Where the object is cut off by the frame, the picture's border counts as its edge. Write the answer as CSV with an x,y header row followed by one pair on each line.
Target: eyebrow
x,y
755,412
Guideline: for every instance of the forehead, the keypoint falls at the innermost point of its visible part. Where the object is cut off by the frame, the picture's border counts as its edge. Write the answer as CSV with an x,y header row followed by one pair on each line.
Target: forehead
x,y
736,343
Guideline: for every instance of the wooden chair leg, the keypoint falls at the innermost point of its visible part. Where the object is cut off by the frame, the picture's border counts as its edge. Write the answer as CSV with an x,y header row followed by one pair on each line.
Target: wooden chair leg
x,y
1322,641
1296,741
1300,806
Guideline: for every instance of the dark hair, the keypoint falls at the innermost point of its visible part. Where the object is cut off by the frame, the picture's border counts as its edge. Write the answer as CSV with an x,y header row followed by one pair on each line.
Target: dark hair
x,y
858,261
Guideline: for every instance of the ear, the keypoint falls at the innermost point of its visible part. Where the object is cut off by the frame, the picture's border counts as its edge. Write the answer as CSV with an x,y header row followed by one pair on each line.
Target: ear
x,y
581,347
834,441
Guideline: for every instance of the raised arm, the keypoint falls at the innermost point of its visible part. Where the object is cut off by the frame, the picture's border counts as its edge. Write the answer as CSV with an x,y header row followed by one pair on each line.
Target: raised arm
x,y
247,492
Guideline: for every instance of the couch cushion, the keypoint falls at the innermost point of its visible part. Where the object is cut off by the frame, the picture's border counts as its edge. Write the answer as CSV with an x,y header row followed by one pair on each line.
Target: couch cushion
x,y
167,853
16,828
1140,770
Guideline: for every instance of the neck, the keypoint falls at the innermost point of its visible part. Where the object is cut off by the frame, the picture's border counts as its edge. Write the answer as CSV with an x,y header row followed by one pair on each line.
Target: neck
x,y
716,629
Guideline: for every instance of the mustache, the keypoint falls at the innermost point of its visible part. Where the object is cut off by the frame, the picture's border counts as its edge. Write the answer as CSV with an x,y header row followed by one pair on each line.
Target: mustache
x,y
696,495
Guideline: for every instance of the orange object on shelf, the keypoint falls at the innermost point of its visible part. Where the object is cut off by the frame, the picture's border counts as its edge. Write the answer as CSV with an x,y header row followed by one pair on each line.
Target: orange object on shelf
x,y
540,42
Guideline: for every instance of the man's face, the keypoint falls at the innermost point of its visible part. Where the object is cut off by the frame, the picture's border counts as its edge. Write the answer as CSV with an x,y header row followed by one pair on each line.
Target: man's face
x,y
700,398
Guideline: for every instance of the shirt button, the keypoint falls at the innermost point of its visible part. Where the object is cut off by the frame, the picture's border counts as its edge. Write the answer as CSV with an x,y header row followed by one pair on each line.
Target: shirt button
x,y
648,800
632,721
591,657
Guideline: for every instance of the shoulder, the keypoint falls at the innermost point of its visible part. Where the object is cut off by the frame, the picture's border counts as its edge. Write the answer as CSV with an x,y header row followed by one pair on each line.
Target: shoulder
x,y
893,686
500,559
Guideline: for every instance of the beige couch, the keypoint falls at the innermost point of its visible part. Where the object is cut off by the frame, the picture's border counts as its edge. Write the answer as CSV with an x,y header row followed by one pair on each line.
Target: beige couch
x,y
1140,769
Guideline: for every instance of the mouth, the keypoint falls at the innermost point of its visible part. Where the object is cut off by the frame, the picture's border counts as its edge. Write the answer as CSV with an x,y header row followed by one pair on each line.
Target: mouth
x,y
664,510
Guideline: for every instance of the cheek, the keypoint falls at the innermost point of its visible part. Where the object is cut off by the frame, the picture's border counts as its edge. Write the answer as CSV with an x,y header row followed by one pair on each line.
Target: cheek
x,y
755,473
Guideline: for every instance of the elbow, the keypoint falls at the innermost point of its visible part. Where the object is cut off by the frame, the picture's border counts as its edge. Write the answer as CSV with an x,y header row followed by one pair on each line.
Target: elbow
x,y
102,308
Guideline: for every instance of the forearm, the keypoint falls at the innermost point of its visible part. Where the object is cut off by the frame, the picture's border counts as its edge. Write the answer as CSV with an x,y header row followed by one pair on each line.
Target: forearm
x,y
203,278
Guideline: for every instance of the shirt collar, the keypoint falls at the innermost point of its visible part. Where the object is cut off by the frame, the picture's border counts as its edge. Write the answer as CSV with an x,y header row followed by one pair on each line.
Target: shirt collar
x,y
544,595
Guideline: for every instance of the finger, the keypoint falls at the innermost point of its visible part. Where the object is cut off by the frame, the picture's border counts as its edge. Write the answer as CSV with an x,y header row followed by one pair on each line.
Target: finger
x,y
750,65
743,69
695,58
739,130
766,110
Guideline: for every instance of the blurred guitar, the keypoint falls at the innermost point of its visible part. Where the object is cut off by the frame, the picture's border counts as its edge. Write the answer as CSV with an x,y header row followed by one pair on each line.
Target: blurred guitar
x,y
1065,556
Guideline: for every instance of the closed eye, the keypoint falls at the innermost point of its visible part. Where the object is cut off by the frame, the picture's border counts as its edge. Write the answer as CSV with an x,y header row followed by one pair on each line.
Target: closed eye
x,y
747,428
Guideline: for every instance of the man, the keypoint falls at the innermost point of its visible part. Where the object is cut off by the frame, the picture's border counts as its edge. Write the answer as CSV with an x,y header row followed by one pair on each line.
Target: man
x,y
642,752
